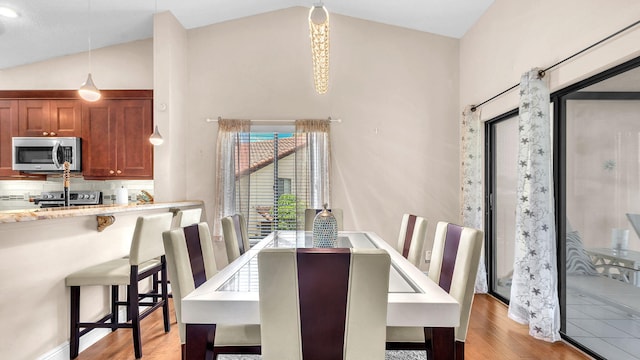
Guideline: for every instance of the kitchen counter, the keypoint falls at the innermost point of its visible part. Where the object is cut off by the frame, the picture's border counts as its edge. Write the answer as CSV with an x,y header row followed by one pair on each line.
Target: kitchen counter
x,y
75,211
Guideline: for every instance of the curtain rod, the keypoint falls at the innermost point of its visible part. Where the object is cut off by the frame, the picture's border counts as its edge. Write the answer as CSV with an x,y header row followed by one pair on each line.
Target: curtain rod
x,y
272,121
541,73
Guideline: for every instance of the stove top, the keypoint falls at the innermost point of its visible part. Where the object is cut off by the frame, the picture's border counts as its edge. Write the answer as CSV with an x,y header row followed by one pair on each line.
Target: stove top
x,y
76,198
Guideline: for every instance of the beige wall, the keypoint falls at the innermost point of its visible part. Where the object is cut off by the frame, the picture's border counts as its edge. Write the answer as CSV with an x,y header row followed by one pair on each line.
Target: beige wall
x,y
126,66
515,36
170,94
396,91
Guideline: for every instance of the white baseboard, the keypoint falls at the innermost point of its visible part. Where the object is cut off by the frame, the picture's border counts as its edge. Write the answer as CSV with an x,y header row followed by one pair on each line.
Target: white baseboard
x,y
63,352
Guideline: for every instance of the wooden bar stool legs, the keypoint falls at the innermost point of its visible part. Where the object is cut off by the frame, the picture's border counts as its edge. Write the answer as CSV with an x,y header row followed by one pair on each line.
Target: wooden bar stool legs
x,y
146,261
132,304
74,337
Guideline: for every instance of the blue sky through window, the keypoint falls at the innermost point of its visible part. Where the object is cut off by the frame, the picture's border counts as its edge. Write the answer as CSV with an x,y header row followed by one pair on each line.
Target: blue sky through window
x,y
263,136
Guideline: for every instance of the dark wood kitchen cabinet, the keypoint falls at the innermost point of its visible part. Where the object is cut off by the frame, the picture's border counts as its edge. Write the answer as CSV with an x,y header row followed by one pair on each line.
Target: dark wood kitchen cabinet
x,y
8,129
115,139
115,142
42,117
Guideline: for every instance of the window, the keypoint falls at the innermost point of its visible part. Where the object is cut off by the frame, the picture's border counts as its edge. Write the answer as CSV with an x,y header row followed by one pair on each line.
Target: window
x,y
284,186
270,174
264,181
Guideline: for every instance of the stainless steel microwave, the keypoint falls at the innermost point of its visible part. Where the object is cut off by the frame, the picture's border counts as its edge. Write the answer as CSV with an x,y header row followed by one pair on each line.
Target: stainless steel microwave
x,y
46,154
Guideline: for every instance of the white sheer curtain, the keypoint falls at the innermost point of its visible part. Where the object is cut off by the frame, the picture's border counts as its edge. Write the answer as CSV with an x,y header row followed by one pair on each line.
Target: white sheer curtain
x,y
472,183
313,164
534,296
231,157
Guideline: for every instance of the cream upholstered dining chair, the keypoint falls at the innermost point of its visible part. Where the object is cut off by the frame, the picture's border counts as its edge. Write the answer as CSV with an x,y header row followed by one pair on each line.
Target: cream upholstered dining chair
x,y
310,215
413,233
146,258
236,238
183,218
191,262
454,265
323,303
186,217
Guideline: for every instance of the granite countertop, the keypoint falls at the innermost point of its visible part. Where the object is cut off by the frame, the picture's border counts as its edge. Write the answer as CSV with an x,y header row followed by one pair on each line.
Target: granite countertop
x,y
11,216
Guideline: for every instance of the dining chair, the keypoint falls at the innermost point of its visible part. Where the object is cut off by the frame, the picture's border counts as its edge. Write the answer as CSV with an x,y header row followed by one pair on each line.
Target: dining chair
x,y
413,233
186,217
191,262
146,258
236,238
323,303
454,265
181,219
310,215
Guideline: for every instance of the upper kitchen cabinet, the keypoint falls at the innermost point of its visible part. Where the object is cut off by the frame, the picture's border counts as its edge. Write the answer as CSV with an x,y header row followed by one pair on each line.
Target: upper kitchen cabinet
x,y
39,117
8,129
115,139
115,130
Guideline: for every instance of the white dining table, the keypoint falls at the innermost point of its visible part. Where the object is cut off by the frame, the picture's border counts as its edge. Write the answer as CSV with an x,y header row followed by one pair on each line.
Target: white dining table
x,y
231,296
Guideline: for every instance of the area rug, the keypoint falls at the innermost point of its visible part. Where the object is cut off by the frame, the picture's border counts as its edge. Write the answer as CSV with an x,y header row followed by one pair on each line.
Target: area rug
x,y
391,355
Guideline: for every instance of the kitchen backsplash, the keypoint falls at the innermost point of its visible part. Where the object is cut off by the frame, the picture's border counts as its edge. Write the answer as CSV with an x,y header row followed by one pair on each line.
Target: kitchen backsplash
x,y
19,194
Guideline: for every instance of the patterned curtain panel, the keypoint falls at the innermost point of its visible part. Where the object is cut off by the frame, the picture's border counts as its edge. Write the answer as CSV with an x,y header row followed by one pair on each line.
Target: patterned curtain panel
x,y
231,156
534,296
313,165
472,183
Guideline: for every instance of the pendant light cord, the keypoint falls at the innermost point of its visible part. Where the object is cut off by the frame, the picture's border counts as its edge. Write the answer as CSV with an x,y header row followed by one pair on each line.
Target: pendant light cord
x,y
542,73
89,28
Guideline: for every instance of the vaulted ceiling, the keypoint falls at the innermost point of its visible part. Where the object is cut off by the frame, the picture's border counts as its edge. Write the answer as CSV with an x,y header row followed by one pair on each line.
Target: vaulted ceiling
x,y
50,28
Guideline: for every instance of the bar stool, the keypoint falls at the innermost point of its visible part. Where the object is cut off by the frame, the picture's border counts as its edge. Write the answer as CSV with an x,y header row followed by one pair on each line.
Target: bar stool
x,y
146,258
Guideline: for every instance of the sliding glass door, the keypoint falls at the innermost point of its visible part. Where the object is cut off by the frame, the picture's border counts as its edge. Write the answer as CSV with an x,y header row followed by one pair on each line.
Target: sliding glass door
x,y
601,201
597,187
502,137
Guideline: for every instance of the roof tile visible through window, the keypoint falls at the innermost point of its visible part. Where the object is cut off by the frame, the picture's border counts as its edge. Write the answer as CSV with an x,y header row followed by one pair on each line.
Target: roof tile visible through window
x,y
261,153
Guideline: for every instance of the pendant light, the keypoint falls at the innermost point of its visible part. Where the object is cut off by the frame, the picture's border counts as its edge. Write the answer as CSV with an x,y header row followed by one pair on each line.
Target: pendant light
x,y
88,90
319,34
156,138
8,12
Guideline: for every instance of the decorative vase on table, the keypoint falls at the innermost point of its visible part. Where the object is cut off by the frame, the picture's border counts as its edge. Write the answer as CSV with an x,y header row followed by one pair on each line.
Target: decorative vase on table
x,y
325,229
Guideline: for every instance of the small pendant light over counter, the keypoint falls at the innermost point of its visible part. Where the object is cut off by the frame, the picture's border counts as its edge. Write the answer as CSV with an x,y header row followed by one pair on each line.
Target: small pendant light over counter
x,y
8,12
88,91
156,138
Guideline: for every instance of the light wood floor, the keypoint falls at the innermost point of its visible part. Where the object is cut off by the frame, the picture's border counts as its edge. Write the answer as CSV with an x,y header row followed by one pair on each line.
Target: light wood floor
x,y
491,336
